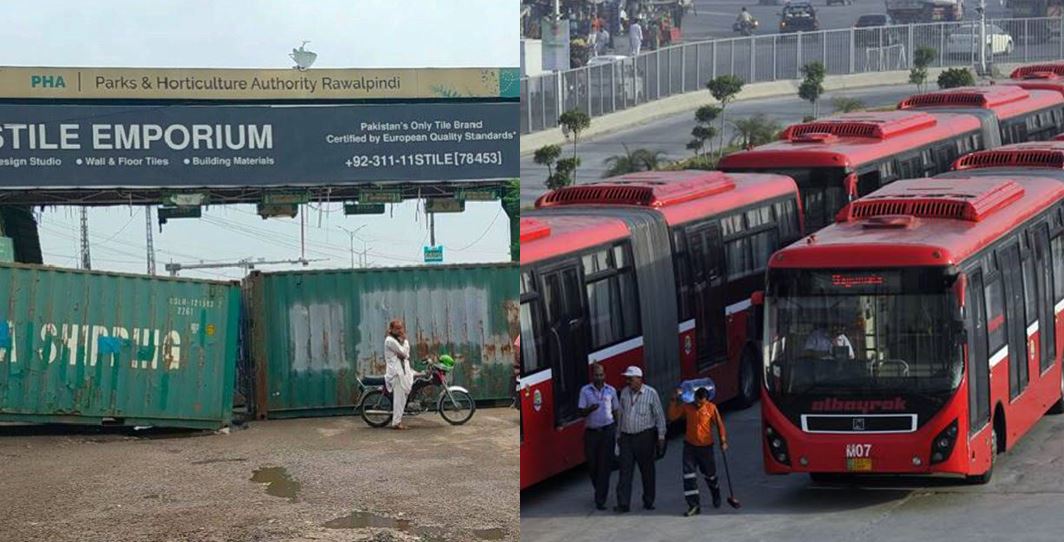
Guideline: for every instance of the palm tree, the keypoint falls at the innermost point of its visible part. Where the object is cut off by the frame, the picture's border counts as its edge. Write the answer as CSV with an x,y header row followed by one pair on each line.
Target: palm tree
x,y
754,131
633,161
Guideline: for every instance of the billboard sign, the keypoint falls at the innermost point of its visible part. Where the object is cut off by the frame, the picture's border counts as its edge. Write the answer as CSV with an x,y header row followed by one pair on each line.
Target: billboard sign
x,y
136,146
434,254
251,84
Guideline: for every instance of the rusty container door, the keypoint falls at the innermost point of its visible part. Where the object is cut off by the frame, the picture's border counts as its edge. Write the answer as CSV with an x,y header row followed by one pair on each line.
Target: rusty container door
x,y
90,347
312,332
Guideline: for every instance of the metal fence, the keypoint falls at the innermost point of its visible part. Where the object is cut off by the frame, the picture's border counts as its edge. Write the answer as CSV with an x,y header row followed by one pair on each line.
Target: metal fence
x,y
606,88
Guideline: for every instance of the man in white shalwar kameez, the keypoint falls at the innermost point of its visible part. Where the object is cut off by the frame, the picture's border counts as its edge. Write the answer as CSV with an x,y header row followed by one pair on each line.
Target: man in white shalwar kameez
x,y
399,377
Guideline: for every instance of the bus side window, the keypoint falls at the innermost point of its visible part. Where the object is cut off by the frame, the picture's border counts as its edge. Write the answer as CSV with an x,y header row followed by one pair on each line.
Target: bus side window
x,y
737,249
995,314
612,303
681,262
1058,259
530,326
868,181
787,220
763,242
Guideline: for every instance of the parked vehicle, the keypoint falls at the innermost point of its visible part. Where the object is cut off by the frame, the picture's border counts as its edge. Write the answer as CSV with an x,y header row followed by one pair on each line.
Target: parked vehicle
x,y
964,40
942,292
653,269
454,403
840,2
870,31
925,11
798,17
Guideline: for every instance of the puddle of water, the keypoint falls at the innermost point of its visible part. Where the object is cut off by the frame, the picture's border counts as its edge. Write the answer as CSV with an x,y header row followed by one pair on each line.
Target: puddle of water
x,y
362,520
489,534
279,483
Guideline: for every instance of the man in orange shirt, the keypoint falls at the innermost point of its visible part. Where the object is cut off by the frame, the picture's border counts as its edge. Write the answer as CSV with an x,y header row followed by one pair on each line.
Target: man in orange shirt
x,y
698,445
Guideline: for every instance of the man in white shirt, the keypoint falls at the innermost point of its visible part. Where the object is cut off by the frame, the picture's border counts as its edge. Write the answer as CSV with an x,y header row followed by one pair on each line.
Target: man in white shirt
x,y
398,377
635,37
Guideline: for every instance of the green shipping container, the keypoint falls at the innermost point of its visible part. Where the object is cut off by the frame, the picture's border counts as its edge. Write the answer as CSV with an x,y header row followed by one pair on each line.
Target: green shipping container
x,y
312,332
88,347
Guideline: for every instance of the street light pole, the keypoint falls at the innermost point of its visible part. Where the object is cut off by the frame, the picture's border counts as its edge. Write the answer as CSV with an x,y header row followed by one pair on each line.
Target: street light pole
x,y
982,37
351,234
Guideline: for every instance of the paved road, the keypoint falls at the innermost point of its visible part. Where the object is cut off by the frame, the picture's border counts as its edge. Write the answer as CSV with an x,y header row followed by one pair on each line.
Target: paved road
x,y
1022,502
672,133
713,18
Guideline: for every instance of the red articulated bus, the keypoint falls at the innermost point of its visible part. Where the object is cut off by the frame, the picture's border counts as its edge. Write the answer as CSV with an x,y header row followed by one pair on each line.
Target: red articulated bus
x,y
1016,114
920,333
1041,67
1036,158
650,269
836,159
1037,81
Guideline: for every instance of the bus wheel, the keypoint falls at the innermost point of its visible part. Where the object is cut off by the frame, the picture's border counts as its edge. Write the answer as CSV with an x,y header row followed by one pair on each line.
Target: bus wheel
x,y
980,479
749,385
1058,407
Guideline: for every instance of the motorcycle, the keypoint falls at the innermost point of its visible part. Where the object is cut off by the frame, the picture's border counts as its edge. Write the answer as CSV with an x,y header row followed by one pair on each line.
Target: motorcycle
x,y
454,403
745,28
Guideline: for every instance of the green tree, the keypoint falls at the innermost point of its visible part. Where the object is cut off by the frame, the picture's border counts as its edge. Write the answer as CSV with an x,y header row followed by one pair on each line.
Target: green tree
x,y
812,86
511,204
754,131
846,104
703,132
548,155
724,88
563,173
633,161
956,77
573,122
922,58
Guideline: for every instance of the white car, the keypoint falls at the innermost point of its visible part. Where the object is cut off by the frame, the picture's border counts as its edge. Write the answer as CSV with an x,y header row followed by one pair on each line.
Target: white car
x,y
964,40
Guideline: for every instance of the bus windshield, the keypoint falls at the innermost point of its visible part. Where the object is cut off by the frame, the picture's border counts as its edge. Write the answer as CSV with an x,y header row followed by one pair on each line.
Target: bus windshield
x,y
862,332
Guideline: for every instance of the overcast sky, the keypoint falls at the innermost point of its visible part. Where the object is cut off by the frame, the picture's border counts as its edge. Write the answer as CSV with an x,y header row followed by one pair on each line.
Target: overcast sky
x,y
259,34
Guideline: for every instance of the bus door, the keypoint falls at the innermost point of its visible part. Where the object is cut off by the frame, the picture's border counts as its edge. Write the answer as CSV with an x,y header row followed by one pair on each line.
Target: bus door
x,y
566,336
1044,280
1015,318
978,361
707,278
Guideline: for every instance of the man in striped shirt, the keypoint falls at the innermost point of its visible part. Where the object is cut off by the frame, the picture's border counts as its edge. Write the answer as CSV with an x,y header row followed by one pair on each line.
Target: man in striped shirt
x,y
642,435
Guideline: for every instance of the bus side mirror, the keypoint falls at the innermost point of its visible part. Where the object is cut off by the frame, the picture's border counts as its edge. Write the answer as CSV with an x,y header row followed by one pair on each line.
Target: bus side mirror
x,y
757,298
850,183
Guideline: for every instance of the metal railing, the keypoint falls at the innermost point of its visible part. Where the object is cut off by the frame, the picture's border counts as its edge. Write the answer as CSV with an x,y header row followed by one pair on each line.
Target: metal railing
x,y
606,88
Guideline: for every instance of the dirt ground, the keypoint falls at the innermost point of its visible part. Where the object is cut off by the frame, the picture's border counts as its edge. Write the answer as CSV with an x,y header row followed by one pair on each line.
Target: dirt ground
x,y
330,479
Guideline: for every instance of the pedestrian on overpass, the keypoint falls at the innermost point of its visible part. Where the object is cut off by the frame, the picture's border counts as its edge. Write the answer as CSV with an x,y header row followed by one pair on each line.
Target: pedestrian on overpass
x,y
598,404
698,445
635,37
642,435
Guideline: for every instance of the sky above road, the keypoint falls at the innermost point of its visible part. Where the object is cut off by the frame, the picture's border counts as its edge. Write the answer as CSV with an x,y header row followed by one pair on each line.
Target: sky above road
x,y
259,34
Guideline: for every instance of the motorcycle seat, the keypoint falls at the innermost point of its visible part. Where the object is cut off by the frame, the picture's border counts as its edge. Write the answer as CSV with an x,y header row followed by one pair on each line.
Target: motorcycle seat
x,y
373,380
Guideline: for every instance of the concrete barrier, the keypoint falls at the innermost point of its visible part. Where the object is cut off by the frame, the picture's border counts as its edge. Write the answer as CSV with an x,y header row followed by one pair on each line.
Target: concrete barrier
x,y
674,105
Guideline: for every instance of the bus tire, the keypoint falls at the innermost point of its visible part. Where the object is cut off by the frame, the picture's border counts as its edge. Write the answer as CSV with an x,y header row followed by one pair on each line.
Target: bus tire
x,y
749,384
1058,407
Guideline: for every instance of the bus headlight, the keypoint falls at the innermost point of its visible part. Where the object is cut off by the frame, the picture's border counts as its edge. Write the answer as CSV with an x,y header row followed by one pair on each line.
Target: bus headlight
x,y
777,446
942,446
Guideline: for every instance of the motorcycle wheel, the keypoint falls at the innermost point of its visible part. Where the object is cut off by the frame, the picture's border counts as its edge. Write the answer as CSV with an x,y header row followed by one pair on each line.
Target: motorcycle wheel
x,y
376,409
459,410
